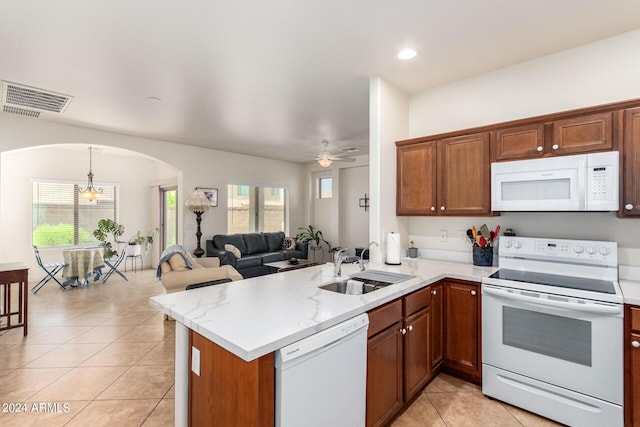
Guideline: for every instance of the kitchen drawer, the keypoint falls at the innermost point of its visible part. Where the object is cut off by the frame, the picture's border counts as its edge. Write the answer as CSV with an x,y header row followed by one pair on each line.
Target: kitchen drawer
x,y
416,301
635,318
382,317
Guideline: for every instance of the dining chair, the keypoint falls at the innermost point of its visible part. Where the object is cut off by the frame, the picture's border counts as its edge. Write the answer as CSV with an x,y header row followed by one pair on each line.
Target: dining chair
x,y
50,269
113,264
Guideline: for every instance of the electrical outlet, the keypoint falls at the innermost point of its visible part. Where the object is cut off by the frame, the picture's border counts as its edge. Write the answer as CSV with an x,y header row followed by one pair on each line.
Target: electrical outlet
x,y
195,360
443,236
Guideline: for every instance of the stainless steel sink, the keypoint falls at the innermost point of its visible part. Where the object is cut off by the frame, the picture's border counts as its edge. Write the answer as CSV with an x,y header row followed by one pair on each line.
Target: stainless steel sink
x,y
365,282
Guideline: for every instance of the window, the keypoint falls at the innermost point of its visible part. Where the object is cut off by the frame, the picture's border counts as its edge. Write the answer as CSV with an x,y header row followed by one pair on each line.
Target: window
x,y
252,209
60,217
325,188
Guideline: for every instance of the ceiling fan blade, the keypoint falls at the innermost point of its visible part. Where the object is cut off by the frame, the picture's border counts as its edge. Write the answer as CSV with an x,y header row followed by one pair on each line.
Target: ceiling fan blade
x,y
343,159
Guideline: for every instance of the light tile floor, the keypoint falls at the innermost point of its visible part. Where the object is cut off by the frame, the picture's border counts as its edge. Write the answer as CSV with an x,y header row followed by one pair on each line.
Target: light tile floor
x,y
102,356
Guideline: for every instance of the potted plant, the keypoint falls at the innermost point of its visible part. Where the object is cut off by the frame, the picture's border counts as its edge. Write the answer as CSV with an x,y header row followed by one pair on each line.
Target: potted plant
x,y
412,251
106,228
310,234
139,242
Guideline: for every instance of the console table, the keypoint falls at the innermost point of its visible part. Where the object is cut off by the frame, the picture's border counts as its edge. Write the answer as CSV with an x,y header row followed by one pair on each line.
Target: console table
x,y
14,273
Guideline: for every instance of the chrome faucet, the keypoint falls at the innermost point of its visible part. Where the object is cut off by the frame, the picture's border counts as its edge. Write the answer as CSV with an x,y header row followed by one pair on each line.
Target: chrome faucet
x,y
365,250
337,262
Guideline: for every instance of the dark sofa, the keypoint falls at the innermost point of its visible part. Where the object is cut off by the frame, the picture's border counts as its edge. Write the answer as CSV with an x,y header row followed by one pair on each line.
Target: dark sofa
x,y
256,249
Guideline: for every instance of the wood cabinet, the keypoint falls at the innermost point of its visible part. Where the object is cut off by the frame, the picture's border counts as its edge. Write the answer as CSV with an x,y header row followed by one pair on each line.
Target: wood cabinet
x,y
416,175
462,326
630,164
632,366
398,363
450,176
574,135
437,324
230,391
522,142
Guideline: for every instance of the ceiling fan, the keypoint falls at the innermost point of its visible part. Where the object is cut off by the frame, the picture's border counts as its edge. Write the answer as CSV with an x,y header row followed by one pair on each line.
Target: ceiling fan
x,y
326,158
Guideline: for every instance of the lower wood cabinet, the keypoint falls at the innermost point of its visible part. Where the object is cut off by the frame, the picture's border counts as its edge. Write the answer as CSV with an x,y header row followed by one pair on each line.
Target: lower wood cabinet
x,y
437,324
398,362
462,326
632,366
230,391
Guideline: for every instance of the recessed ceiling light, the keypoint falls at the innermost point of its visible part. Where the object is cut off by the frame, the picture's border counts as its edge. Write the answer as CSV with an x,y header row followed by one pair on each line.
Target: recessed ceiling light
x,y
407,53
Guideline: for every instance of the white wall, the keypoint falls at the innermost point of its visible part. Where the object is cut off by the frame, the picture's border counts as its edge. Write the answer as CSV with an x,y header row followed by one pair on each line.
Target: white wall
x,y
388,122
598,73
197,167
354,220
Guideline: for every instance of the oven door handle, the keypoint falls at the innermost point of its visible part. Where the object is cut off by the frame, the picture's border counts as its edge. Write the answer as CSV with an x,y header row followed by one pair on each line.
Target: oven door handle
x,y
588,308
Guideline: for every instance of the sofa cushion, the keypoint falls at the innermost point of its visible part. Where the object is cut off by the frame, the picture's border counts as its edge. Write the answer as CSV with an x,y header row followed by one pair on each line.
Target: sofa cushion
x,y
235,251
274,240
255,243
272,257
248,261
233,239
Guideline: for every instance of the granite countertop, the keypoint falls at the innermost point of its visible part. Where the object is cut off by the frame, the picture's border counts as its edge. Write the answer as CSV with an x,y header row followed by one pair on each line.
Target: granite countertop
x,y
257,316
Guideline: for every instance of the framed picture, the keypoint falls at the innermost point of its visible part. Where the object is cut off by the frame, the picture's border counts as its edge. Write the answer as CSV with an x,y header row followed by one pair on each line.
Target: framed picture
x,y
211,193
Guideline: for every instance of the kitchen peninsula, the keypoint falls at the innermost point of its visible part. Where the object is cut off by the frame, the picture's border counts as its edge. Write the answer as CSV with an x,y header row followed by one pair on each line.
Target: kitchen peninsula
x,y
245,322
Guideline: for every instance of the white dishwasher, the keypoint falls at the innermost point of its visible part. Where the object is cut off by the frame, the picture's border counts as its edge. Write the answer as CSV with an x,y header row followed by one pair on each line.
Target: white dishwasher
x,y
321,380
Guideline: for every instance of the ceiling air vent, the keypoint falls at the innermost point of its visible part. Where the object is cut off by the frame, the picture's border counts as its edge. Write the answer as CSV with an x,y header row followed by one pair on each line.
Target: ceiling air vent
x,y
28,98
20,111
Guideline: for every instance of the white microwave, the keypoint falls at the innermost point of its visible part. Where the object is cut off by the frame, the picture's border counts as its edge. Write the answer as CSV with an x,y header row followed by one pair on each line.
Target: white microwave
x,y
585,182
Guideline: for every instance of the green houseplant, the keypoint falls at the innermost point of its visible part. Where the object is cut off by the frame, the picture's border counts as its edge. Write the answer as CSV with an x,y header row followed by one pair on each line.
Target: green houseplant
x,y
143,243
109,232
310,234
108,228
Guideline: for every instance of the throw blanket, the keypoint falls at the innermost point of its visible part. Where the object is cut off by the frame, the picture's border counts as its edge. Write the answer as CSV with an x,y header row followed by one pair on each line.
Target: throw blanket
x,y
168,253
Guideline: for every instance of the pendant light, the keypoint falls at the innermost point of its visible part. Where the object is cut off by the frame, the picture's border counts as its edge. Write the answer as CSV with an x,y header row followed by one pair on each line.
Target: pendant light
x,y
90,192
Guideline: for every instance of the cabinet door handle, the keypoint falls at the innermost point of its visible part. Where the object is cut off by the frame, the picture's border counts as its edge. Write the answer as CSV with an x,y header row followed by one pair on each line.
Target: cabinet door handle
x,y
635,344
628,206
410,328
403,330
539,148
555,146
433,208
441,208
434,292
473,293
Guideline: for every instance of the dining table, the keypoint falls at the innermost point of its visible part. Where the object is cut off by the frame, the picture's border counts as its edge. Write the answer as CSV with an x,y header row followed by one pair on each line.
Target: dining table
x,y
81,264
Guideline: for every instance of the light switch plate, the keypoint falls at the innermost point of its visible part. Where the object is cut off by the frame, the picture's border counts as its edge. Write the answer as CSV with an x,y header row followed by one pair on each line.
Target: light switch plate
x,y
195,360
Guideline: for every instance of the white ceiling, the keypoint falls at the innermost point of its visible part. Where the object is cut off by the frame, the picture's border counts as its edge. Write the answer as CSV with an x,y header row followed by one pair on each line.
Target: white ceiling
x,y
273,78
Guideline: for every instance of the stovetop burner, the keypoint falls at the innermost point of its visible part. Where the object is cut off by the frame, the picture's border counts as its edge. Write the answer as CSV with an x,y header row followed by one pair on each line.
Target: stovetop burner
x,y
592,285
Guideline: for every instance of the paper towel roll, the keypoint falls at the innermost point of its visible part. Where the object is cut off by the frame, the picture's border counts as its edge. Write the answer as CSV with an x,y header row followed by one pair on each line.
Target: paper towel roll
x,y
393,248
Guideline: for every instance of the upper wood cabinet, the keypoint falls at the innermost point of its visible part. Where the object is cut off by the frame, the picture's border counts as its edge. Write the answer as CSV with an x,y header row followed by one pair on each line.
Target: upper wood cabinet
x,y
446,177
416,179
464,175
583,134
630,175
524,142
575,135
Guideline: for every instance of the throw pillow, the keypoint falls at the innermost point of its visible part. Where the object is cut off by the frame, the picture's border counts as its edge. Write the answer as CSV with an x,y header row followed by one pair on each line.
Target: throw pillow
x,y
235,251
177,263
288,243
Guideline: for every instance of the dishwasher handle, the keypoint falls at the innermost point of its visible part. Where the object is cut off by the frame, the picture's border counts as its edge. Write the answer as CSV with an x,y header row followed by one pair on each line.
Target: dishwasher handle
x,y
587,307
322,339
